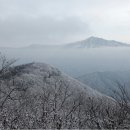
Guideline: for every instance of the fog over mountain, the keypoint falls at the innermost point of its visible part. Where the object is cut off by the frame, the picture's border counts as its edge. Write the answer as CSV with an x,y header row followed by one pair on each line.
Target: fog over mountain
x,y
76,61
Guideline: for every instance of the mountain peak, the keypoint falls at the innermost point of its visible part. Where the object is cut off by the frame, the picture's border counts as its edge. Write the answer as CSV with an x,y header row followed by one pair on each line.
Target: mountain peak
x,y
96,42
92,37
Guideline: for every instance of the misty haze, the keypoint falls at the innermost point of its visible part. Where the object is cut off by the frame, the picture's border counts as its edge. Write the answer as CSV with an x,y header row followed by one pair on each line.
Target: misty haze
x,y
64,64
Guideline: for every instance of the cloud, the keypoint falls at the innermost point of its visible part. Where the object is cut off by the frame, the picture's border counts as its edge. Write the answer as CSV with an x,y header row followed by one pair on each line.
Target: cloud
x,y
27,30
24,22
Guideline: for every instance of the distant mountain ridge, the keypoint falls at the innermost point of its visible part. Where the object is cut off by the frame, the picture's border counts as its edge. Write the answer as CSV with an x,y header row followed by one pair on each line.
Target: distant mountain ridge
x,y
106,82
95,42
91,42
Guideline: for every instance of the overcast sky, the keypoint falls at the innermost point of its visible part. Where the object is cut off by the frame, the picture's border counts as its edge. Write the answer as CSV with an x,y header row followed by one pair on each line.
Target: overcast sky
x,y
25,22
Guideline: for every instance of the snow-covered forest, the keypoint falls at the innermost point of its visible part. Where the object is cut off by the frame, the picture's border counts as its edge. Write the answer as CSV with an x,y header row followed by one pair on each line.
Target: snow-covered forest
x,y
38,96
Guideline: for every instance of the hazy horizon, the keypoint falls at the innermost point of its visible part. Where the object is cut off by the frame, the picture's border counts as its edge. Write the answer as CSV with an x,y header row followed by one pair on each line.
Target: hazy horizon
x,y
40,44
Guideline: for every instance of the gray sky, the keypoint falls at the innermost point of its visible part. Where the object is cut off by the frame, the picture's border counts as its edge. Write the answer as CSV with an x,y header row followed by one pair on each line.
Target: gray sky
x,y
25,22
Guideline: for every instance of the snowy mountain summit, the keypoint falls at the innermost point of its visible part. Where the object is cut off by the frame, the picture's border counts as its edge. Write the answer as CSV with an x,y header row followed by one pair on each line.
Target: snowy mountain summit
x,y
95,42
41,76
